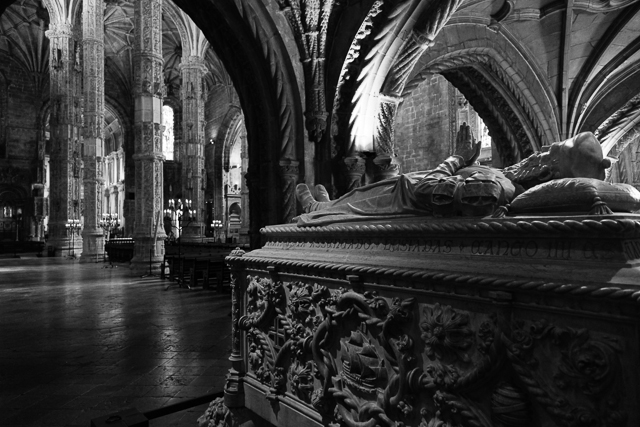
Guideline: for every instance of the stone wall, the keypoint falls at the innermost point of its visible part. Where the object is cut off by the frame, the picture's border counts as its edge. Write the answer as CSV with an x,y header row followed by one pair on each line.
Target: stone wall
x,y
18,113
423,134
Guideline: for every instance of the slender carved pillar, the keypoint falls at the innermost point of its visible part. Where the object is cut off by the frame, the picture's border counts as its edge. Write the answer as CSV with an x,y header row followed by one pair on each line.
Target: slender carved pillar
x,y
148,90
383,164
93,68
244,191
233,390
192,70
289,171
354,169
65,124
129,203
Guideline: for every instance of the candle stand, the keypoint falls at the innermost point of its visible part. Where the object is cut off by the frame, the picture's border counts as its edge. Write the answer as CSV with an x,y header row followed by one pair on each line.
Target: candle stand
x,y
108,222
73,226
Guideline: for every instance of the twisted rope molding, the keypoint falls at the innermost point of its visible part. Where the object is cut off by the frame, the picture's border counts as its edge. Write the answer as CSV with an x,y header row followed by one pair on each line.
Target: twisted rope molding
x,y
575,289
629,227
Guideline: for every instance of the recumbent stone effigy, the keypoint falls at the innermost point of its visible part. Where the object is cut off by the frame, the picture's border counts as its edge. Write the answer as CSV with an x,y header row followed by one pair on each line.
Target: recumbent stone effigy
x,y
513,303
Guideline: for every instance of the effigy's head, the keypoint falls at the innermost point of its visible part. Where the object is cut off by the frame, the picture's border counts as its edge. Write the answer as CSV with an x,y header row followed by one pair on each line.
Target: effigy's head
x,y
578,157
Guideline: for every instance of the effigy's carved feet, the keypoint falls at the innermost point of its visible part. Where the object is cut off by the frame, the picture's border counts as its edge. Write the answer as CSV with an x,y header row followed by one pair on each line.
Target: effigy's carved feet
x,y
322,195
304,196
310,203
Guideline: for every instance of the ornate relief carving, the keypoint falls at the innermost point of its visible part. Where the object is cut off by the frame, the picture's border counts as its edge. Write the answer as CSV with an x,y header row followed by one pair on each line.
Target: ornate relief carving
x,y
216,415
633,135
354,357
618,118
445,333
584,383
385,141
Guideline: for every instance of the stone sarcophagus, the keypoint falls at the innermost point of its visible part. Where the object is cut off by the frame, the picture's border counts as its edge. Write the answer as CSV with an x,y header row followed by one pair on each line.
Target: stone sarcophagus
x,y
527,321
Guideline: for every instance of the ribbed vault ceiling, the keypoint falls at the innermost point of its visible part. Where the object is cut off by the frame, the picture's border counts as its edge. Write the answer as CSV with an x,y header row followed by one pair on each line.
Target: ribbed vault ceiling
x,y
22,37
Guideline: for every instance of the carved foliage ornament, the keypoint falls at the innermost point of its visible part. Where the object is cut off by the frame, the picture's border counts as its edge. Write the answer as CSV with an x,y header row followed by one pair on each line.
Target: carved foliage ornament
x,y
360,359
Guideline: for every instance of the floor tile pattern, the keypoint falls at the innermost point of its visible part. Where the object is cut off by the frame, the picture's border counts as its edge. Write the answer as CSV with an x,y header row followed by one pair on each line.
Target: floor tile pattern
x,y
79,341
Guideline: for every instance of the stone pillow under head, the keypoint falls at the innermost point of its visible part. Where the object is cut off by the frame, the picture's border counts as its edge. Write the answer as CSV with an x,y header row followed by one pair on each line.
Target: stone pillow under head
x,y
576,195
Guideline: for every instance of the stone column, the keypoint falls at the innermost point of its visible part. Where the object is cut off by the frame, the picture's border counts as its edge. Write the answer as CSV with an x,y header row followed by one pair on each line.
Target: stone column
x,y
233,390
65,126
384,165
148,92
192,70
129,203
244,192
354,167
93,68
289,172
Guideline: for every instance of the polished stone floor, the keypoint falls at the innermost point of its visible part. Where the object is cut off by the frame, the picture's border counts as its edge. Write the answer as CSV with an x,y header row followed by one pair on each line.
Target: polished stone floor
x,y
78,341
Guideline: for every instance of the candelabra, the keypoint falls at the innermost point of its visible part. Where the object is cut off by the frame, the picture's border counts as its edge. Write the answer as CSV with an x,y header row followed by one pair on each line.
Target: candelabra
x,y
73,226
108,222
181,212
183,215
216,225
17,218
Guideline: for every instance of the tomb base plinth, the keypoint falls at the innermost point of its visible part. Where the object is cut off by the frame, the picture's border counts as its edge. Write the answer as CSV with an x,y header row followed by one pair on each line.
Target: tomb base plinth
x,y
528,321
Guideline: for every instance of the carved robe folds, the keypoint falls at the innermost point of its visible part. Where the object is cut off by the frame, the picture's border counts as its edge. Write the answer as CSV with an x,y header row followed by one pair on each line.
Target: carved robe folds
x,y
529,321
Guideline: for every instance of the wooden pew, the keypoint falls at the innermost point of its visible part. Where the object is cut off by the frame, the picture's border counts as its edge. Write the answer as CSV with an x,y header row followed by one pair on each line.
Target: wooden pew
x,y
193,263
218,271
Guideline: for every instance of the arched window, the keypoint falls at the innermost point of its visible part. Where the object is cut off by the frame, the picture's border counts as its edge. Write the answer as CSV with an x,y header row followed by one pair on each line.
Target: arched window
x,y
167,135
7,211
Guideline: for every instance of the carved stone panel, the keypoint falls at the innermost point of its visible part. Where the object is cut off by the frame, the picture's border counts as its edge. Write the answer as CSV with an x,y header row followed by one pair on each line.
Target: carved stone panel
x,y
345,332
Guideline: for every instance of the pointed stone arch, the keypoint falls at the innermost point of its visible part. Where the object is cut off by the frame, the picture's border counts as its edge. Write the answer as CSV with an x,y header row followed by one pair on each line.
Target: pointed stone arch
x,y
245,38
230,129
510,96
232,126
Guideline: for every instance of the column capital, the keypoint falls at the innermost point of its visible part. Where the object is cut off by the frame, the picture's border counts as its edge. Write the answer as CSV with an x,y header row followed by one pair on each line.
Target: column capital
x,y
193,62
60,30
